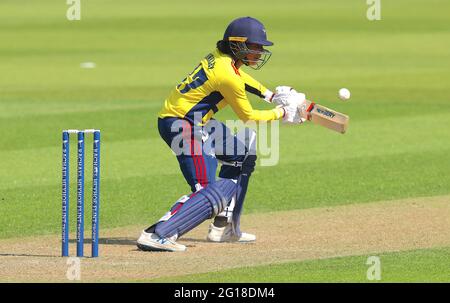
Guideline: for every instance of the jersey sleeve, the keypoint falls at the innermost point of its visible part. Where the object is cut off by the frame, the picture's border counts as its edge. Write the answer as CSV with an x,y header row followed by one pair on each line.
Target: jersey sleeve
x,y
234,92
254,87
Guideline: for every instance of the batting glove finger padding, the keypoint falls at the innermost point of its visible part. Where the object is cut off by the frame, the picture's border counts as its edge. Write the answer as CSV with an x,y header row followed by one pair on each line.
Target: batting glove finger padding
x,y
282,95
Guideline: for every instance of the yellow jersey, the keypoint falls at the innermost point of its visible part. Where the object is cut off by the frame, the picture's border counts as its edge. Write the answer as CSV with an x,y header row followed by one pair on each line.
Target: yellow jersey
x,y
214,84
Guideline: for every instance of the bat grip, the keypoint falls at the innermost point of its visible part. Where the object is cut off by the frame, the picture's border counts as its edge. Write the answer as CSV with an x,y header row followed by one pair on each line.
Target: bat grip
x,y
309,109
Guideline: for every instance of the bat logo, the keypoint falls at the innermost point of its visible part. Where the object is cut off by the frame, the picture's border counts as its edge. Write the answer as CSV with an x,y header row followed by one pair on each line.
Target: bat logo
x,y
326,113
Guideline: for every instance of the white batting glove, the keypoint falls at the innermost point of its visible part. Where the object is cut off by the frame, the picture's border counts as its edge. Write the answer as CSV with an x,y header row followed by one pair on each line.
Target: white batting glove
x,y
303,106
295,110
282,95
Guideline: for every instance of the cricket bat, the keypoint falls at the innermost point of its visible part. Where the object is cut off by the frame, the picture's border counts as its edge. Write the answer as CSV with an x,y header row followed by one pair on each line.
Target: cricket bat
x,y
327,117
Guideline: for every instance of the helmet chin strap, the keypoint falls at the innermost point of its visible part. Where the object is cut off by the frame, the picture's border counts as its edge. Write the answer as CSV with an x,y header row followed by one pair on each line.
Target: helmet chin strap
x,y
238,63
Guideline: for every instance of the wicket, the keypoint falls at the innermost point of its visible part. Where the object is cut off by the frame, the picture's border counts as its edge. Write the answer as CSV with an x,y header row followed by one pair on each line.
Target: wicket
x,y
80,191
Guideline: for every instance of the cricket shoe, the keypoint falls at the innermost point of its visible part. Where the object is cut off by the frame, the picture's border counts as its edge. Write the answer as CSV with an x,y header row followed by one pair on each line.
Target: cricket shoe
x,y
153,242
225,234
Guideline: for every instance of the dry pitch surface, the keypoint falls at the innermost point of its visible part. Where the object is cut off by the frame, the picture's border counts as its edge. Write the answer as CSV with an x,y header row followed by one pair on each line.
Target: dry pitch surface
x,y
282,237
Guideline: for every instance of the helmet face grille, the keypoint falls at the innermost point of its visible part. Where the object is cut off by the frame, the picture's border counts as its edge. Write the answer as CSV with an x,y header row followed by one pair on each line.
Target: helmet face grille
x,y
253,58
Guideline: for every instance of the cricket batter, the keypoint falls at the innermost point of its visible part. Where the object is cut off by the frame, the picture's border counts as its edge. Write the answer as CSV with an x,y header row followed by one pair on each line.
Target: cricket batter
x,y
185,123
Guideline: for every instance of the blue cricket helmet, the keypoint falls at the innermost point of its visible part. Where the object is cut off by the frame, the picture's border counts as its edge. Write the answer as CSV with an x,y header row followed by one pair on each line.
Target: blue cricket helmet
x,y
244,31
247,29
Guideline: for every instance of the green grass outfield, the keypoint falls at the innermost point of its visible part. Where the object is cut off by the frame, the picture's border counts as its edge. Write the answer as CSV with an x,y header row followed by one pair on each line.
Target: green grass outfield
x,y
428,265
397,69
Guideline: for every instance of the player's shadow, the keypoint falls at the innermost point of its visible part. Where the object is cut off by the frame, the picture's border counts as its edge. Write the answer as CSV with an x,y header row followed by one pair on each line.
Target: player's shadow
x,y
28,255
193,240
110,241
102,241
105,241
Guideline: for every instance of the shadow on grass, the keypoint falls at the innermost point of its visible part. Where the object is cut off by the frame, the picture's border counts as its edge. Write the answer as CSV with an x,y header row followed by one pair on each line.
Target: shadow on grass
x,y
102,241
29,255
110,241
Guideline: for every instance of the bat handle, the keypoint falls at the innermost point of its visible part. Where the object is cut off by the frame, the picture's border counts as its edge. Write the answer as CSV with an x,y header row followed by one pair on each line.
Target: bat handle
x,y
309,109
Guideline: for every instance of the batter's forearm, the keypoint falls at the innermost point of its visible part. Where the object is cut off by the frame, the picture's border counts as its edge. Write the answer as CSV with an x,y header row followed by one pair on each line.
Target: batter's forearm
x,y
262,115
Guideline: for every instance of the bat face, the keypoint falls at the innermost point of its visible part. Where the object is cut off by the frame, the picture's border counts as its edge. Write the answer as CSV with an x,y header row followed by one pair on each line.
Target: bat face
x,y
328,118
